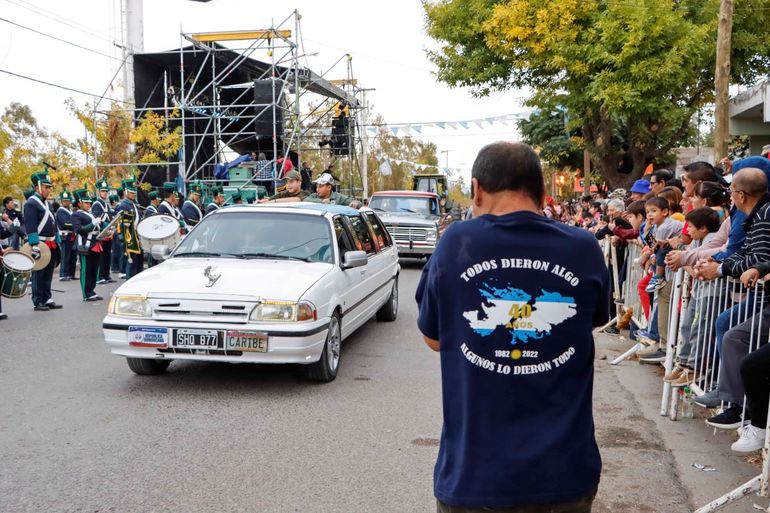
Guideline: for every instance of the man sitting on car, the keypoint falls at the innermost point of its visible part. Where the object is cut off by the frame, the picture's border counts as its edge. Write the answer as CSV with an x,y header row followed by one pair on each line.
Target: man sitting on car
x,y
325,194
293,191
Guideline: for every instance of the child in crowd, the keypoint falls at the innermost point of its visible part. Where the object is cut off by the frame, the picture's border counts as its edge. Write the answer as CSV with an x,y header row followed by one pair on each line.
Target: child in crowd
x,y
659,211
703,222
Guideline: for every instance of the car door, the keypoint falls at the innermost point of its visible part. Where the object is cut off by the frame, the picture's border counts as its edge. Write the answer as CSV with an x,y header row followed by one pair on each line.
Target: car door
x,y
351,288
373,278
387,256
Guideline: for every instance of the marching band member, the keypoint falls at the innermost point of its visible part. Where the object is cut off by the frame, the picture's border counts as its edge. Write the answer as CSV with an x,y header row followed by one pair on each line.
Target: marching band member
x,y
67,237
40,225
218,198
167,206
118,259
134,257
87,226
152,208
103,214
191,212
4,232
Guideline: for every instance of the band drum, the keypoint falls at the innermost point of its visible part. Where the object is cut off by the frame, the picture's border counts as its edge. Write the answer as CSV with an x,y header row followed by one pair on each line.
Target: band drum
x,y
158,230
16,272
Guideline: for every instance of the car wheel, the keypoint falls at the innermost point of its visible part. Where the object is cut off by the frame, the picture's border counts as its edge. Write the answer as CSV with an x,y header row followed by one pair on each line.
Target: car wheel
x,y
147,366
389,311
325,369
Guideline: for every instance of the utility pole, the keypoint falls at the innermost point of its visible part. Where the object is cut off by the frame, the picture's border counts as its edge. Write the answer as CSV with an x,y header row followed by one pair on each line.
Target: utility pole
x,y
722,80
446,154
133,43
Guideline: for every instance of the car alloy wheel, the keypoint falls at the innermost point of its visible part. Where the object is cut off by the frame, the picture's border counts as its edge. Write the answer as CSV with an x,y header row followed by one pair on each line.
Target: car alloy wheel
x,y
333,344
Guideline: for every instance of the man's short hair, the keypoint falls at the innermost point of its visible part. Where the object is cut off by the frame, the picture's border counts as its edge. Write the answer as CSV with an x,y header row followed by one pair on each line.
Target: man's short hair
x,y
663,175
587,199
6,200
509,166
701,171
704,216
659,202
637,208
617,204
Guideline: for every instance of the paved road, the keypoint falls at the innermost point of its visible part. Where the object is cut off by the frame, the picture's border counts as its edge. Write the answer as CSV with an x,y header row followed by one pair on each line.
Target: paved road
x,y
80,433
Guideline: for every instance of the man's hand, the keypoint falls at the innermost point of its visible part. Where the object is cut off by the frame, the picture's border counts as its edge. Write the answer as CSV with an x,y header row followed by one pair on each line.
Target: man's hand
x,y
673,260
35,252
675,242
749,278
707,270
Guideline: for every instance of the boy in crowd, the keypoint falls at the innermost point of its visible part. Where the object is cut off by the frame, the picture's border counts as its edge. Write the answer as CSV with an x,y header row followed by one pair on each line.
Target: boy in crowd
x,y
703,223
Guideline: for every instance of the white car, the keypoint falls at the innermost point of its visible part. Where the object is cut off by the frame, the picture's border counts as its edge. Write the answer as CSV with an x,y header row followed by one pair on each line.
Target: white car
x,y
261,284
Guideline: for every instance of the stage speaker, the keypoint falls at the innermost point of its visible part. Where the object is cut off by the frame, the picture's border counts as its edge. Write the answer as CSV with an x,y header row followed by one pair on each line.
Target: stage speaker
x,y
263,116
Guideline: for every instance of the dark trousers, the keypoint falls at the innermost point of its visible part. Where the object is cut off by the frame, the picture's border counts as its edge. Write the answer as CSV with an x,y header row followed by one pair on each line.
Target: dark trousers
x,y
41,284
66,253
150,261
735,348
755,373
579,506
105,260
117,263
135,266
89,268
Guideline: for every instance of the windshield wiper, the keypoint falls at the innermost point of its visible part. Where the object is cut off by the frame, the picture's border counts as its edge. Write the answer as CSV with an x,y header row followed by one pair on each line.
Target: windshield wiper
x,y
379,209
271,255
408,210
198,254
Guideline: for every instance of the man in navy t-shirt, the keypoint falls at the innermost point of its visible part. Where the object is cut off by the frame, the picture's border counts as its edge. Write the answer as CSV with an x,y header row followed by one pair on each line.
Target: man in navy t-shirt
x,y
509,299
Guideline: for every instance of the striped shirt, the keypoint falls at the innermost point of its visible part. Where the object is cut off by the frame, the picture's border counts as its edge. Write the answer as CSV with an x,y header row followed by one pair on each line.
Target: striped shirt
x,y
756,247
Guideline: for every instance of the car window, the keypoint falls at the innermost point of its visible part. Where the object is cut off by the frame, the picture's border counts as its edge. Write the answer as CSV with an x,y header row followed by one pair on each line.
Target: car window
x,y
409,204
260,235
382,235
364,240
344,241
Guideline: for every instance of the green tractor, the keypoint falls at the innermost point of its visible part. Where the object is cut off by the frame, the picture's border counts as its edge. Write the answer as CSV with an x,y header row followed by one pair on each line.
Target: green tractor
x,y
437,184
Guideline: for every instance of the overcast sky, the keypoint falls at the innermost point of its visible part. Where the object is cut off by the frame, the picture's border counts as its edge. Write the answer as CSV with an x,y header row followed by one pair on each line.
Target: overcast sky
x,y
386,39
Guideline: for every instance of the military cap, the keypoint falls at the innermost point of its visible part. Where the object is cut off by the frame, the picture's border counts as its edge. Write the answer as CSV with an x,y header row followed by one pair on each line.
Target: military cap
x,y
129,185
80,193
293,175
28,193
65,195
216,191
102,185
40,178
153,195
114,198
194,187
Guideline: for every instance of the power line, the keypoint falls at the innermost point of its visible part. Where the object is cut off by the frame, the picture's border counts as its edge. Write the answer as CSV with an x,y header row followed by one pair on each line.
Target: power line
x,y
59,39
58,86
60,19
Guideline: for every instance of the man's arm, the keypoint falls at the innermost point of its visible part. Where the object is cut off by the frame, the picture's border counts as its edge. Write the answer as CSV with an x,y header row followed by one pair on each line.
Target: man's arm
x,y
433,344
758,252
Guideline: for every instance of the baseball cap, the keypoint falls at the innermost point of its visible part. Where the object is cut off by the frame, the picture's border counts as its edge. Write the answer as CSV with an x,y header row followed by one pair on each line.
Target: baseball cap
x,y
325,179
641,187
293,175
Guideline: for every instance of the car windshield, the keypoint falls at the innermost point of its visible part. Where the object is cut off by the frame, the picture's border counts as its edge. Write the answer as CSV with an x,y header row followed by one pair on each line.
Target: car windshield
x,y
401,204
260,235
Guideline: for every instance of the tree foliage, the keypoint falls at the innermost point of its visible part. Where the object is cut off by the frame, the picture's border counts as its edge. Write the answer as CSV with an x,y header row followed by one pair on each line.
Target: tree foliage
x,y
626,71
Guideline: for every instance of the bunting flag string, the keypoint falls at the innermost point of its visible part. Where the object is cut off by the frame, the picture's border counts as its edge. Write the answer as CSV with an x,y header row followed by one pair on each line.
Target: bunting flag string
x,y
417,128
386,169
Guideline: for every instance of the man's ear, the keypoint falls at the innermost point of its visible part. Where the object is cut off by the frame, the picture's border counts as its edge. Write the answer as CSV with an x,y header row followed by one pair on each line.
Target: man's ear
x,y
476,192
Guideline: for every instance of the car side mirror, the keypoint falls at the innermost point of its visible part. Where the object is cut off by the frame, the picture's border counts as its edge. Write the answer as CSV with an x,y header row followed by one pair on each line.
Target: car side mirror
x,y
160,252
353,259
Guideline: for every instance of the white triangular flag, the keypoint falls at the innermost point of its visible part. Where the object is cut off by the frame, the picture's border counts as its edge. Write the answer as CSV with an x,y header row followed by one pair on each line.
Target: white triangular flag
x,y
385,169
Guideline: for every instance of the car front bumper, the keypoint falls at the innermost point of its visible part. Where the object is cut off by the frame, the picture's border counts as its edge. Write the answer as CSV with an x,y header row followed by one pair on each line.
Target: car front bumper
x,y
406,249
286,343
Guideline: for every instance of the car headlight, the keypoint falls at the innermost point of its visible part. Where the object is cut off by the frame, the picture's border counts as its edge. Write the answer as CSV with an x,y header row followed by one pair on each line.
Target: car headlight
x,y
431,235
284,311
130,306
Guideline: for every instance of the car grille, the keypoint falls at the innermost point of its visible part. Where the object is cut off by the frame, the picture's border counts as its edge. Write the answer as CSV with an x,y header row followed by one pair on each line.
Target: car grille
x,y
405,234
195,310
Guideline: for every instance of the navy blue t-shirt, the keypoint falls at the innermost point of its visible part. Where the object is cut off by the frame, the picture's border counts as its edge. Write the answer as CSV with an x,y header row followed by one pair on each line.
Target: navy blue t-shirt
x,y
513,300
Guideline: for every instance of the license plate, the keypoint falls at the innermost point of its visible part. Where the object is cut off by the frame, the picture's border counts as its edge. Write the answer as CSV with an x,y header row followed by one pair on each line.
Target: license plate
x,y
195,339
253,341
145,336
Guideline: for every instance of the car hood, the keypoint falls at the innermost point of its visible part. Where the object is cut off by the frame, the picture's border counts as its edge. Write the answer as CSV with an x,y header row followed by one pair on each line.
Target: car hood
x,y
246,279
407,218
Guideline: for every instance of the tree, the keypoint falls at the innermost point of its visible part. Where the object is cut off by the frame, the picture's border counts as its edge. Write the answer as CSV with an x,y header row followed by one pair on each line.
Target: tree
x,y
626,72
21,140
546,131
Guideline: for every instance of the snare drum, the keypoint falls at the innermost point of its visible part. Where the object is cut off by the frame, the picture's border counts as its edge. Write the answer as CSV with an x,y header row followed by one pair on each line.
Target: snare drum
x,y
158,230
15,274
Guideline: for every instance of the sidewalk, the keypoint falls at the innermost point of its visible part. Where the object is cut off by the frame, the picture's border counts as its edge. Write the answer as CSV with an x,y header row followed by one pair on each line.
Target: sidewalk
x,y
648,458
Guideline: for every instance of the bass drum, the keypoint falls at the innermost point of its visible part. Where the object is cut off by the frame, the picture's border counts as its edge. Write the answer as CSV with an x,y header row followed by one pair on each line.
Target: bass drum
x,y
160,230
15,274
